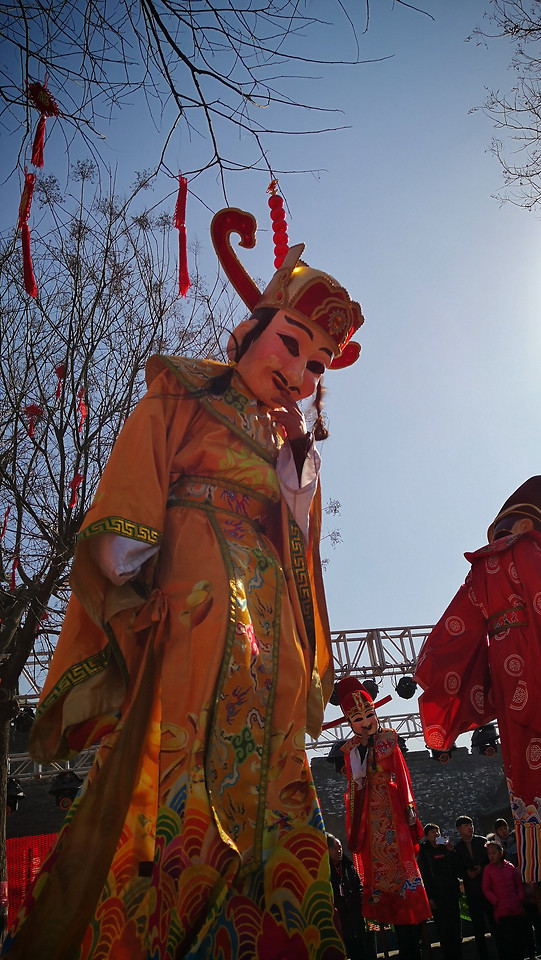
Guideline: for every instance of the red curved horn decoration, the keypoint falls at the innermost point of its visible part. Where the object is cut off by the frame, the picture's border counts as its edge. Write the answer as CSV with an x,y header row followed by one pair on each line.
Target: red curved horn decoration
x,y
224,223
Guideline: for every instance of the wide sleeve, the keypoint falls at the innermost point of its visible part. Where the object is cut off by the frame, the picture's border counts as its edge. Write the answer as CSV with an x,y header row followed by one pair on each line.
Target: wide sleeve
x,y
453,670
355,800
405,793
131,497
91,667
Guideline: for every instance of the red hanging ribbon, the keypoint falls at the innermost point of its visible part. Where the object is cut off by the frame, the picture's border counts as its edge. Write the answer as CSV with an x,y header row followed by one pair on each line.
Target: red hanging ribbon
x,y
279,225
76,482
5,523
82,407
179,221
32,411
37,146
60,371
24,213
42,100
13,569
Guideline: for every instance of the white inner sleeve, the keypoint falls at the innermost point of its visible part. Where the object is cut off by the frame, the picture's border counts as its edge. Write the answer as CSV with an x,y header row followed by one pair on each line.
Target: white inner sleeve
x,y
358,766
298,497
119,558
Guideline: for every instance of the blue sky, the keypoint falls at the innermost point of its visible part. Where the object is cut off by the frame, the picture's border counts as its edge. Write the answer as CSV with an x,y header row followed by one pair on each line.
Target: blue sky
x,y
439,420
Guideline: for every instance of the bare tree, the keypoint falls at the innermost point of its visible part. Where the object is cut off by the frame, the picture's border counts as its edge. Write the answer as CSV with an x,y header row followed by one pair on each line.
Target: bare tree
x,y
210,67
517,112
72,363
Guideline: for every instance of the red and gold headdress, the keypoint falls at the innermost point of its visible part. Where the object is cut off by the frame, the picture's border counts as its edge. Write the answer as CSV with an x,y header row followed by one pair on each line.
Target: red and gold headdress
x,y
353,697
309,295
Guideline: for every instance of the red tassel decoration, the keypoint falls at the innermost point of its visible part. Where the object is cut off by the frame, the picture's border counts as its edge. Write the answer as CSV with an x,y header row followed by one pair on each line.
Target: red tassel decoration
x,y
13,569
76,482
5,523
28,272
60,371
32,411
179,219
82,408
42,100
279,225
37,146
24,213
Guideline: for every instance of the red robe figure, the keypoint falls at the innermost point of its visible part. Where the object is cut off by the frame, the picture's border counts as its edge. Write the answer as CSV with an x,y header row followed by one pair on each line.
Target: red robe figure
x,y
381,820
482,661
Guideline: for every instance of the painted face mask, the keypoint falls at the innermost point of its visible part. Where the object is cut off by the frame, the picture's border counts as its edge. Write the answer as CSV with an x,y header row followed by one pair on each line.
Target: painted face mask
x,y
364,721
286,361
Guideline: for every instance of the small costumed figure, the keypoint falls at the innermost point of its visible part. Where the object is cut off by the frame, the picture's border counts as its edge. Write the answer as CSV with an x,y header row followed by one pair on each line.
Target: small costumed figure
x,y
196,648
382,827
482,661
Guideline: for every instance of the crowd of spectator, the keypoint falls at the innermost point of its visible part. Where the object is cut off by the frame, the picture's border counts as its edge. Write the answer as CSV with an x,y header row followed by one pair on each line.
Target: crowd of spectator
x,y
474,871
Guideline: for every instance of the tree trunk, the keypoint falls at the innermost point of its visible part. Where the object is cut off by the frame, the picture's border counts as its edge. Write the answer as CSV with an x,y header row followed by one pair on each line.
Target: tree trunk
x,y
6,713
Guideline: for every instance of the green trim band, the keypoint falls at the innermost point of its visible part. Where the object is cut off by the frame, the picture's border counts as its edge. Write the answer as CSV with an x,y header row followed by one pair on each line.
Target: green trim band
x,y
299,568
122,528
77,673
229,408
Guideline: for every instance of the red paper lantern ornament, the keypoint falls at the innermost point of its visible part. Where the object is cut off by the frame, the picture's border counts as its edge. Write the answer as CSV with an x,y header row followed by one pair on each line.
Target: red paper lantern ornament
x,y
73,484
279,224
60,371
179,221
32,411
42,100
24,212
82,408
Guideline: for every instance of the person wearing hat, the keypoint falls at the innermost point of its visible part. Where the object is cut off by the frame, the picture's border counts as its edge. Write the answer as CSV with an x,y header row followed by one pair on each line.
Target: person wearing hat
x,y
382,827
482,661
196,647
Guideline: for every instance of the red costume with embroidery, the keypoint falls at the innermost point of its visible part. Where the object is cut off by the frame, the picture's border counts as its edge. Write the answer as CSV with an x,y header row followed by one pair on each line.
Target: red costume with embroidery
x,y
381,821
481,662
378,833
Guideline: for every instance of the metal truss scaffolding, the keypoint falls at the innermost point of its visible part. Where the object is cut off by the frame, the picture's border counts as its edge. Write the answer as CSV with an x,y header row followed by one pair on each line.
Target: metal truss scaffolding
x,y
378,653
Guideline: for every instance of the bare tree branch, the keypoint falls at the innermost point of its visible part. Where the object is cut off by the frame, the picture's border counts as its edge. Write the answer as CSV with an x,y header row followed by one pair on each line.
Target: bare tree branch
x,y
517,112
207,66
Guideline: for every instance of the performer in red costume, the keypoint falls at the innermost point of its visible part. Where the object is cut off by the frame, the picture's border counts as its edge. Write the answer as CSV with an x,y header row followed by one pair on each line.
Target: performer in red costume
x,y
482,661
381,820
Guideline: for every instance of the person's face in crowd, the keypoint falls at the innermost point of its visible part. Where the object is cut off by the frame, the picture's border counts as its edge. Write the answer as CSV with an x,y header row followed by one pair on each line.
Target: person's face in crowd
x,y
466,831
286,361
432,834
335,852
494,853
503,832
364,722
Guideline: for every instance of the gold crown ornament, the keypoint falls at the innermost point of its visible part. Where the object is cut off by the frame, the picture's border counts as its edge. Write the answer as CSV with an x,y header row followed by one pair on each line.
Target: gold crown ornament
x,y
309,295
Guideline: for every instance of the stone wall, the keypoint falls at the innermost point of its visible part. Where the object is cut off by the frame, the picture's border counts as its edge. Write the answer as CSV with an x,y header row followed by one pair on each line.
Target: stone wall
x,y
469,784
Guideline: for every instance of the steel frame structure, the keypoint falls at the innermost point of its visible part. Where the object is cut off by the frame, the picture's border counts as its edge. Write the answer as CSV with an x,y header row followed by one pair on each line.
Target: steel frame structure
x,y
374,653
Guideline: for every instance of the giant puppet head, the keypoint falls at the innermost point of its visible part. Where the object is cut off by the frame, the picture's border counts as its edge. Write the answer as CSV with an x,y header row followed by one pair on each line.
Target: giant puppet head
x,y
358,707
308,297
524,503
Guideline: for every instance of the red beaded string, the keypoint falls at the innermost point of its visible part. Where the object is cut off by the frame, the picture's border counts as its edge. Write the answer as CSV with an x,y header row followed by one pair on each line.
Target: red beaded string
x,y
279,225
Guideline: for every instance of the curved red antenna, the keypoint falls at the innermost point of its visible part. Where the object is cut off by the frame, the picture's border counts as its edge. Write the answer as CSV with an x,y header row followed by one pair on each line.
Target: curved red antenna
x,y
224,223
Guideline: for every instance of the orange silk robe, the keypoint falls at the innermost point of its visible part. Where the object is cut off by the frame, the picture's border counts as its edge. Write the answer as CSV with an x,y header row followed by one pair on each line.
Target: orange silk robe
x,y
198,833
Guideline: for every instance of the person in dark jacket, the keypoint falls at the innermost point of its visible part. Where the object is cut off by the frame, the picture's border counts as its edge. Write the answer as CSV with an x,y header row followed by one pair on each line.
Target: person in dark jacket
x,y
472,859
438,866
348,899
